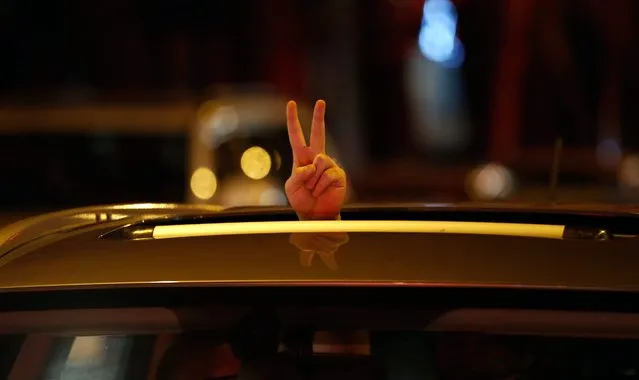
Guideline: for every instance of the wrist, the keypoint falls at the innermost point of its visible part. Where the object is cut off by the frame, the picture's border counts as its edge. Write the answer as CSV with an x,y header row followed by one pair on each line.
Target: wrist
x,y
335,217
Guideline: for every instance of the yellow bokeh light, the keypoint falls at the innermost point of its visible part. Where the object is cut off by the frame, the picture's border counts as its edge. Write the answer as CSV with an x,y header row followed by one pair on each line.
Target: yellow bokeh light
x,y
203,183
255,162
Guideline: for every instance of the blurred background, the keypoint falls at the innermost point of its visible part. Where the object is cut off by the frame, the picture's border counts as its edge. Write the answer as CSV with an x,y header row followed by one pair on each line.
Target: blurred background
x,y
183,100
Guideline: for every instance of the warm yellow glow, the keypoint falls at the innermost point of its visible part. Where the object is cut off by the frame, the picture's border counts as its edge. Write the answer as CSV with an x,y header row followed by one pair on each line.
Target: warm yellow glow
x,y
203,183
629,173
240,190
363,226
255,162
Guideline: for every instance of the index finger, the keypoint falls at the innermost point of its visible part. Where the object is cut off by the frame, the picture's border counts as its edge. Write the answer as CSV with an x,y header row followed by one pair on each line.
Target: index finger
x,y
318,128
295,134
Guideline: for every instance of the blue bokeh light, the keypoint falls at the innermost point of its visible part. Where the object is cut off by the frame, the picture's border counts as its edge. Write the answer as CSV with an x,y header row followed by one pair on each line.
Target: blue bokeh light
x,y
437,36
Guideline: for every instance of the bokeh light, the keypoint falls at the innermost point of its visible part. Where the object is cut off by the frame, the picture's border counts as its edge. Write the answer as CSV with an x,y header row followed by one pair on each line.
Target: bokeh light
x,y
628,174
203,183
608,154
240,190
490,182
216,122
272,196
255,162
437,36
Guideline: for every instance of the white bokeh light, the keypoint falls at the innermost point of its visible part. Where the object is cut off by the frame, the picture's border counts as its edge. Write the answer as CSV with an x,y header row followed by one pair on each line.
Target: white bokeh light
x,y
216,123
490,182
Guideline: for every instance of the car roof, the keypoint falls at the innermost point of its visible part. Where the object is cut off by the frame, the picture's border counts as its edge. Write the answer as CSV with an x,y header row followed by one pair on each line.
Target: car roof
x,y
106,252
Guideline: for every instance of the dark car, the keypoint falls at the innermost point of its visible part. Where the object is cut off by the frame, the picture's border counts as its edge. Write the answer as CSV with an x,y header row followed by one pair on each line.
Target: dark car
x,y
388,292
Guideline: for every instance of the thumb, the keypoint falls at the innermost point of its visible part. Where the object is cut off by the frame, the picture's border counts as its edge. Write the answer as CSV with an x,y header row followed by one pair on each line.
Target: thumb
x,y
299,176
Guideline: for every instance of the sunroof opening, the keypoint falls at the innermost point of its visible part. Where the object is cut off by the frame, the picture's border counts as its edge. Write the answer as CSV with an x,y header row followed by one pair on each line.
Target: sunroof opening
x,y
508,222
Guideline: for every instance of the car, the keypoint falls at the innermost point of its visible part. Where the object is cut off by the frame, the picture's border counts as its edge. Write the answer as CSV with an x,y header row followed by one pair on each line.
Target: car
x,y
395,291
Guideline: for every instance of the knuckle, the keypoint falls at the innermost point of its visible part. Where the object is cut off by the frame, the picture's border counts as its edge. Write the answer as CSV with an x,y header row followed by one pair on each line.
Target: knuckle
x,y
329,176
325,160
287,185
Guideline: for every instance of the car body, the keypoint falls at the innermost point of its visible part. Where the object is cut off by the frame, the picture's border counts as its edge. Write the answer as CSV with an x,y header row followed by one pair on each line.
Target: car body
x,y
136,277
67,241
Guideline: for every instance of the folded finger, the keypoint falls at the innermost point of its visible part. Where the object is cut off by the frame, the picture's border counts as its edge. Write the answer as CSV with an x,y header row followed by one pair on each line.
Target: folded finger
x,y
299,177
323,244
306,258
329,260
322,163
337,238
333,177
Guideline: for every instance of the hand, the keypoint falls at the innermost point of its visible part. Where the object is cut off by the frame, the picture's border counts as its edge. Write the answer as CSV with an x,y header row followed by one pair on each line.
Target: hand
x,y
323,244
317,186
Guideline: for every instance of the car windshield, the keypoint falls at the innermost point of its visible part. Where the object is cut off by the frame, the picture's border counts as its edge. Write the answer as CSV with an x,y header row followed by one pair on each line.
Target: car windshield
x,y
229,334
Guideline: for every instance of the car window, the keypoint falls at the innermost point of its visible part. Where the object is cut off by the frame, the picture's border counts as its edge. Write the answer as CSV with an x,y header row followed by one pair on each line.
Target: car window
x,y
516,345
99,357
362,354
88,357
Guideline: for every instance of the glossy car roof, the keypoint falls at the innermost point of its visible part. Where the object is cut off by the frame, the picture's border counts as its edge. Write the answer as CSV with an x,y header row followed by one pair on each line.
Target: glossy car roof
x,y
77,255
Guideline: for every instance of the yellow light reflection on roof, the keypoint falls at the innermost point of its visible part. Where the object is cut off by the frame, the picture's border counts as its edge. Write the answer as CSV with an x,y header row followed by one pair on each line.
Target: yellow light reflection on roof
x,y
256,162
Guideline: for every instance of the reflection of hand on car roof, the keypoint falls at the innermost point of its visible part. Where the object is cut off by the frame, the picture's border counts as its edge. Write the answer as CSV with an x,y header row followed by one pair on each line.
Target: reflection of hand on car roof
x,y
323,244
316,188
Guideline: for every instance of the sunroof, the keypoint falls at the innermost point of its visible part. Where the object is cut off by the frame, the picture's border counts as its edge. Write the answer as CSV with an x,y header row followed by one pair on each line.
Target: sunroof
x,y
410,219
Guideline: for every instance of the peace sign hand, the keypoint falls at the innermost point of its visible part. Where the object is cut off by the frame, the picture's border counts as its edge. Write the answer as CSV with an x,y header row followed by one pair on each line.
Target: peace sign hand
x,y
317,186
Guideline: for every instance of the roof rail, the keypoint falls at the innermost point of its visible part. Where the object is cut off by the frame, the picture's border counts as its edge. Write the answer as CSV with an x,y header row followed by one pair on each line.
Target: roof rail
x,y
31,228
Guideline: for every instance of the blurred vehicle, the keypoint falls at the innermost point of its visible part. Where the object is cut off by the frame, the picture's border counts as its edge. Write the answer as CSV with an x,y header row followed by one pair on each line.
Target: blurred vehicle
x,y
68,156
389,292
73,155
239,153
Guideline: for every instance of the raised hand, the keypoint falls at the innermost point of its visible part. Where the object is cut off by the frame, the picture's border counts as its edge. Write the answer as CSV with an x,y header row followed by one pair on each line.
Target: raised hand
x,y
316,188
